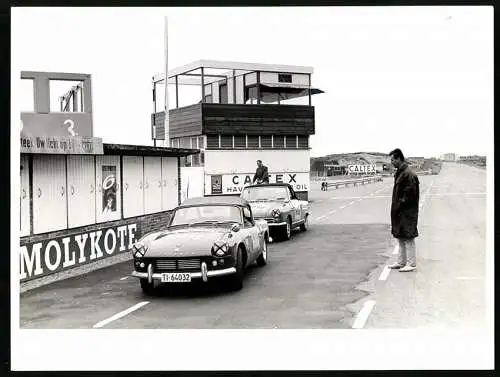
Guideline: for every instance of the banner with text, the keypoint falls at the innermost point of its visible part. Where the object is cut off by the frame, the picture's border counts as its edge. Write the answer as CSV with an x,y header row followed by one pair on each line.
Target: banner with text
x,y
73,250
61,145
230,184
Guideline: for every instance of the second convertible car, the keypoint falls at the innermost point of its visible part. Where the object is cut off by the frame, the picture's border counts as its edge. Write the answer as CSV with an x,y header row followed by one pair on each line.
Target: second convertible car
x,y
278,204
206,237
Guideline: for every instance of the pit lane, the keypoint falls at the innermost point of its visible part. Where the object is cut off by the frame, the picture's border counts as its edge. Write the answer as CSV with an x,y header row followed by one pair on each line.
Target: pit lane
x,y
319,279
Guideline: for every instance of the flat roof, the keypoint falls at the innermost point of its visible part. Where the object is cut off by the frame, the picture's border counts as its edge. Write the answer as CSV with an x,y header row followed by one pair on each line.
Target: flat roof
x,y
144,150
217,64
214,200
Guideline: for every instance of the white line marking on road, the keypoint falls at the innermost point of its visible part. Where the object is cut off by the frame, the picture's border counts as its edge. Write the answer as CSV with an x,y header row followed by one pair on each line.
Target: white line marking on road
x,y
124,278
332,212
351,203
342,207
120,315
363,314
468,278
319,218
457,193
385,273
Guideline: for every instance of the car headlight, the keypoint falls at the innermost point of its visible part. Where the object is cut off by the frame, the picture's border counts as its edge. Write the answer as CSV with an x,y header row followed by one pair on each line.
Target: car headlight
x,y
220,249
276,212
138,250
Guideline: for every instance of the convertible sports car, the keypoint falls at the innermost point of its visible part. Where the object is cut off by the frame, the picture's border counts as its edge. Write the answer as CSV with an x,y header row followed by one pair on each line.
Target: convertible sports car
x,y
206,237
279,206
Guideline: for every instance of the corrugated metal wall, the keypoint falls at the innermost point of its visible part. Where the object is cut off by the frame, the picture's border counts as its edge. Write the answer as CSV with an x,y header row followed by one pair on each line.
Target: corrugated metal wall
x,y
169,183
152,184
49,193
81,190
133,181
25,196
73,191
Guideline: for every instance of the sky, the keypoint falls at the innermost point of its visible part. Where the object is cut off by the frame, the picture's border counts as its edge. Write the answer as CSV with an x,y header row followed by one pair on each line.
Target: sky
x,y
415,78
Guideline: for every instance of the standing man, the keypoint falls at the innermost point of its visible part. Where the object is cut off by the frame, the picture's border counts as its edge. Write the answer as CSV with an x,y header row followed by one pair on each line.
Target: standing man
x,y
261,173
404,211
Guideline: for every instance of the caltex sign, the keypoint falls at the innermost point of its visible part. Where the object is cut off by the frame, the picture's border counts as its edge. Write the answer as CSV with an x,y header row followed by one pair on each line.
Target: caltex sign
x,y
230,184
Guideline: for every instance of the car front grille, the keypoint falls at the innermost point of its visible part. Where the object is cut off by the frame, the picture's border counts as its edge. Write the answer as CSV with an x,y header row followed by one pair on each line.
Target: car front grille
x,y
177,264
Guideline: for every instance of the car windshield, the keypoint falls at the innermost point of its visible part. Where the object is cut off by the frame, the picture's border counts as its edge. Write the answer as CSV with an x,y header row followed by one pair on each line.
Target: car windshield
x,y
215,214
265,193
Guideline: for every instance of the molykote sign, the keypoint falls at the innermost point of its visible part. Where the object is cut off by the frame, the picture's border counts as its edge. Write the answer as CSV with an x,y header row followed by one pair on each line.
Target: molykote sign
x,y
230,184
56,124
61,145
69,251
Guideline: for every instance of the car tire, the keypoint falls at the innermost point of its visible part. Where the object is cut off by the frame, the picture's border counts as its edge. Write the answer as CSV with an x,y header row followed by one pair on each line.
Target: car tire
x,y
236,279
287,230
305,225
262,259
147,288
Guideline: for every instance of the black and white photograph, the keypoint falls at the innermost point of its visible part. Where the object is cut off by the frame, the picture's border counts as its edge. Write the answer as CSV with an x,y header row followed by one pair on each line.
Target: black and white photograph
x,y
315,183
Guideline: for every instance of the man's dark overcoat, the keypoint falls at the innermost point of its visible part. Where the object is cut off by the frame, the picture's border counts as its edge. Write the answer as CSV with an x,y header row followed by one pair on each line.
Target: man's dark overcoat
x,y
404,208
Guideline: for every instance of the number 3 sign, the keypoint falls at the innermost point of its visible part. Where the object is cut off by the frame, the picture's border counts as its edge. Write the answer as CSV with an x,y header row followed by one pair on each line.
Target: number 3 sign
x,y
70,125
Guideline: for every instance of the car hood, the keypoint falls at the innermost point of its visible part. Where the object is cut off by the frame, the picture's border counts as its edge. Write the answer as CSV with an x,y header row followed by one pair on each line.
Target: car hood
x,y
184,242
264,208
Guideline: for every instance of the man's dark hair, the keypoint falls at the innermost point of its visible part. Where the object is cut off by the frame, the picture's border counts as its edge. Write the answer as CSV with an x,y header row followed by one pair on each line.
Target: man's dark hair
x,y
397,154
259,160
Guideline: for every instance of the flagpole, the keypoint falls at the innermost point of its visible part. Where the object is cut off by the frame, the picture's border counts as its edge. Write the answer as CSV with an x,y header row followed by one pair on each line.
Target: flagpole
x,y
166,142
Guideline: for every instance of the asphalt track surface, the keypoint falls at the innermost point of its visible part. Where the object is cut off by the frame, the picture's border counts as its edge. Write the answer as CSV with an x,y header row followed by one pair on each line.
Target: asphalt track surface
x,y
332,277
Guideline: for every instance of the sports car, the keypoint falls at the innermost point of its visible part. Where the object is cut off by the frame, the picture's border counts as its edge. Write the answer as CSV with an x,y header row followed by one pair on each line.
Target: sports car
x,y
206,237
278,205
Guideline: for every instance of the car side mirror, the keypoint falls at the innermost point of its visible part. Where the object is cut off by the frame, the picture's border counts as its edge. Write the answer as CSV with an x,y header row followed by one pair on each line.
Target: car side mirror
x,y
235,228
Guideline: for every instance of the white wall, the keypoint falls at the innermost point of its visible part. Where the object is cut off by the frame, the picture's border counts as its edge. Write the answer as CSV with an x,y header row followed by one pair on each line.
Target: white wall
x,y
272,78
236,161
192,182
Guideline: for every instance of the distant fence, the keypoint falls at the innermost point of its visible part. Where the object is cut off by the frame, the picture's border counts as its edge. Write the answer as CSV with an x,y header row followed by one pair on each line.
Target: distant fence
x,y
353,181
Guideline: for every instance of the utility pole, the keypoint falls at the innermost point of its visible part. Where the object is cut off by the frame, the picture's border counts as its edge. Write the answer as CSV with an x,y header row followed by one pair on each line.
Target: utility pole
x,y
166,142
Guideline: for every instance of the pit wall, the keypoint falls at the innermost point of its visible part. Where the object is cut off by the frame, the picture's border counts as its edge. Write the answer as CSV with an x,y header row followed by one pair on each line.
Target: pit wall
x,y
48,253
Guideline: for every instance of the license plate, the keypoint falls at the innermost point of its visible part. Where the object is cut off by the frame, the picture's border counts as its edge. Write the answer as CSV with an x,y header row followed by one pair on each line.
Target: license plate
x,y
175,278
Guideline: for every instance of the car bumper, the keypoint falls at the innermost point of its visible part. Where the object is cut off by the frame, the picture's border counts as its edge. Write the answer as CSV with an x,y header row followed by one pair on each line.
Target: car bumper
x,y
272,222
203,274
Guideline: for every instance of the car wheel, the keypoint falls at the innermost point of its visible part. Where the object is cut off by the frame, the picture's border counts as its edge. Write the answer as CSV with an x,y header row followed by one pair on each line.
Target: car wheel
x,y
262,259
287,230
147,288
236,280
305,225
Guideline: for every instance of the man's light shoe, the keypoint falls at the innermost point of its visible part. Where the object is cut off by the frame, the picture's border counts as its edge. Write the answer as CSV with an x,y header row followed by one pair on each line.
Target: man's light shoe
x,y
407,268
395,266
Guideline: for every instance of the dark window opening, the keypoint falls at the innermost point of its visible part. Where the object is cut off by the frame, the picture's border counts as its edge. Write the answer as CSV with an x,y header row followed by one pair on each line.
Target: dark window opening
x,y
284,77
291,141
212,141
251,95
266,141
240,141
303,141
279,141
223,93
253,141
226,141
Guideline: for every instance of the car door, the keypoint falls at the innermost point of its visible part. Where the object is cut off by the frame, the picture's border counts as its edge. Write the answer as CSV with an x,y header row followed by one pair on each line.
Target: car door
x,y
295,204
253,233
